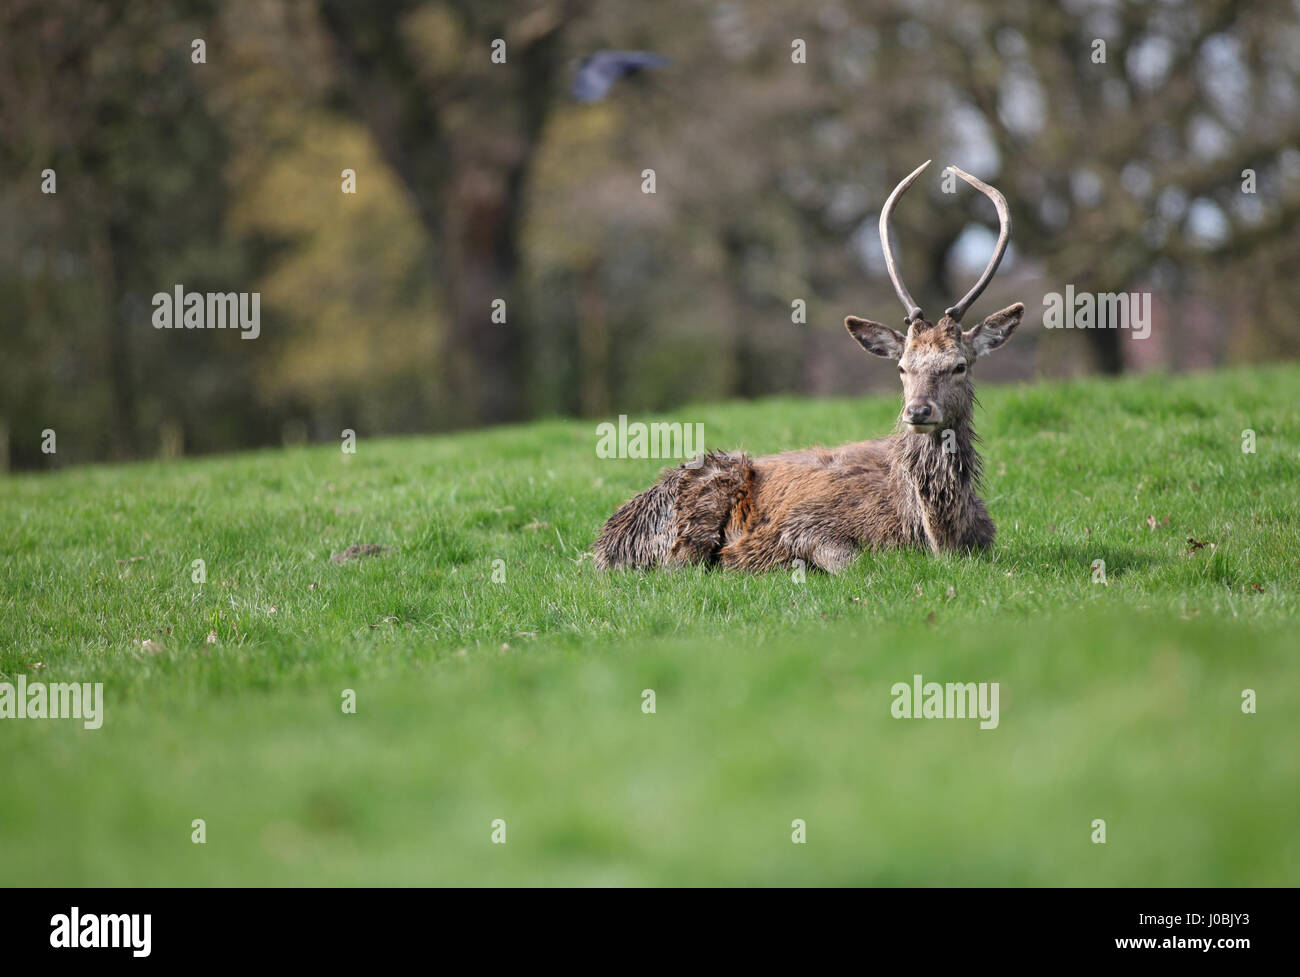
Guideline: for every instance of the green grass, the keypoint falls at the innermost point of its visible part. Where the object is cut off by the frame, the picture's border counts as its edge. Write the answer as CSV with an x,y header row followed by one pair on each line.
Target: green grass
x,y
521,699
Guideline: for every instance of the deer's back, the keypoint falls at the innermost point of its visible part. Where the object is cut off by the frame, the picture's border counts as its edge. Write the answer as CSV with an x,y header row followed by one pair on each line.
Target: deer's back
x,y
821,505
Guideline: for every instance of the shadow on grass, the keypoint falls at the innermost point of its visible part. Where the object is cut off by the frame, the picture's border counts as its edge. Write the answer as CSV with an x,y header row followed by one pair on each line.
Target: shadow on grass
x,y
1118,559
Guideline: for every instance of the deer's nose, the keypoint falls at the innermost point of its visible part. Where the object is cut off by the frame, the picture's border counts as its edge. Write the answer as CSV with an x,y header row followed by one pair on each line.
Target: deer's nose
x,y
918,413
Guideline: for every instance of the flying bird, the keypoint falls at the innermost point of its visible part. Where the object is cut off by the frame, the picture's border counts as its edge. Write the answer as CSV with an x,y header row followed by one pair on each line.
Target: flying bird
x,y
598,72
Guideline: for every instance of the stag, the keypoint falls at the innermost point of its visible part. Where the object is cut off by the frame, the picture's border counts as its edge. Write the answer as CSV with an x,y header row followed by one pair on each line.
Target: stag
x,y
916,488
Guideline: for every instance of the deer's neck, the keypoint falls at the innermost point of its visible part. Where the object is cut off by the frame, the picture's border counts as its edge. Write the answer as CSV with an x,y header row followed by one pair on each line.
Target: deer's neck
x,y
943,472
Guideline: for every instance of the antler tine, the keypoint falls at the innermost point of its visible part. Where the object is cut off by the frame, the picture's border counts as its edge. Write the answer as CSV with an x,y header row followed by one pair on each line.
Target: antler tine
x,y
913,310
1004,235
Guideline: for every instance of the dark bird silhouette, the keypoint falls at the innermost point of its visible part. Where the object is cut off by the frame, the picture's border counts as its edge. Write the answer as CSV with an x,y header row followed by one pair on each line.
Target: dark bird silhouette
x,y
598,72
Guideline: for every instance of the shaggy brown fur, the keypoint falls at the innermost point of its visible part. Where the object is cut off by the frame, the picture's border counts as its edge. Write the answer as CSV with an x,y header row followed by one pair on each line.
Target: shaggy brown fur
x,y
680,519
916,488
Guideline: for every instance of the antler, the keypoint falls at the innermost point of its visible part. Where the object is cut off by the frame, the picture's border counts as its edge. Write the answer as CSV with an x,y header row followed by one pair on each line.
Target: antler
x,y
909,303
1004,235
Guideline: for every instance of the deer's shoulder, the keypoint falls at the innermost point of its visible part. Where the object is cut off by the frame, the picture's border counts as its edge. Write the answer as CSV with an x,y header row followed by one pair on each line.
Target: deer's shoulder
x,y
856,454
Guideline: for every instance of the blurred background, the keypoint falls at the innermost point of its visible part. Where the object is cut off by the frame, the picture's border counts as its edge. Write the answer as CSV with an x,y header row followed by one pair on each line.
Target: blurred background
x,y
775,131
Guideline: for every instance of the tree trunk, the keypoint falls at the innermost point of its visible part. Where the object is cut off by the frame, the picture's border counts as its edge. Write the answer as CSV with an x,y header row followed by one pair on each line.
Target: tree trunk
x,y
481,356
593,342
1107,355
104,245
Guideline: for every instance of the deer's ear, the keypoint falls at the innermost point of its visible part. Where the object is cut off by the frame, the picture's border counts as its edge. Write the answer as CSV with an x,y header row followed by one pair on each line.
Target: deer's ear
x,y
994,331
876,338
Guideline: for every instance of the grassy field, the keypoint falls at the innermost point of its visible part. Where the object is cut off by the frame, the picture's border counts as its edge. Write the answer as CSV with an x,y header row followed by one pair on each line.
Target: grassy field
x,y
498,676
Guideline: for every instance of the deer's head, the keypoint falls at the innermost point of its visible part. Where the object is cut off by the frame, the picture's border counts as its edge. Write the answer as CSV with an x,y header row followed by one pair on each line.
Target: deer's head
x,y
935,359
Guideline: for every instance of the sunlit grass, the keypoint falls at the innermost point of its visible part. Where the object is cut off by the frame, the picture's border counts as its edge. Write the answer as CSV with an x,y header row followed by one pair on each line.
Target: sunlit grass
x,y
521,699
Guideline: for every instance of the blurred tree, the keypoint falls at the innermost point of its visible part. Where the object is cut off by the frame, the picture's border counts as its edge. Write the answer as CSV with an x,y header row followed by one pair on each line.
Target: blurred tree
x,y
110,100
1112,160
1161,160
461,130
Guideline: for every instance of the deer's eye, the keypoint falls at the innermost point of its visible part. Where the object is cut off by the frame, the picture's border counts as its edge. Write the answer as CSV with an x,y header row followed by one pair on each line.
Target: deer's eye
x,y
959,369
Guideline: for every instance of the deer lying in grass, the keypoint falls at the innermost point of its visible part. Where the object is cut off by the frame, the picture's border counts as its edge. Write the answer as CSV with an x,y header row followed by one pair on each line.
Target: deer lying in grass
x,y
916,488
